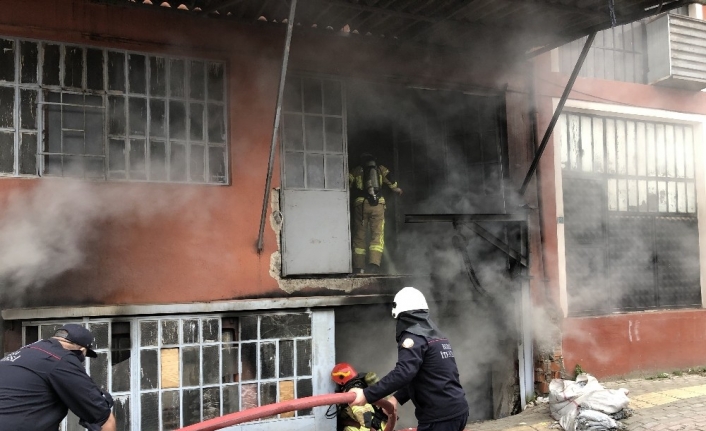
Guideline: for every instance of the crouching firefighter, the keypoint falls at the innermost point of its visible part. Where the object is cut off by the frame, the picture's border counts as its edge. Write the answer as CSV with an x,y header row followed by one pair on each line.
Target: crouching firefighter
x,y
367,417
366,182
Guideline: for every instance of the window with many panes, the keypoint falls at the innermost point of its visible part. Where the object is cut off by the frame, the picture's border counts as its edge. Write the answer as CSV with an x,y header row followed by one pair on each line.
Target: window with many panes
x,y
79,111
630,214
168,372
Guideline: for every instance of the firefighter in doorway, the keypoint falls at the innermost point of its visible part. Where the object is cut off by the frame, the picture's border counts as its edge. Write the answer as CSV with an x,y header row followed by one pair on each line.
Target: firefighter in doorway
x,y
366,182
359,418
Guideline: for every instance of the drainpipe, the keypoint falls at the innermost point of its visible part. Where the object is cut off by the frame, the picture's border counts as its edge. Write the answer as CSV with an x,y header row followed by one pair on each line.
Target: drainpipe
x,y
275,129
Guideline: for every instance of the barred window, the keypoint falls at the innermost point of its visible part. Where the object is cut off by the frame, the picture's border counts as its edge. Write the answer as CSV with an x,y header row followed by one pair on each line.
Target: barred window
x,y
630,214
78,111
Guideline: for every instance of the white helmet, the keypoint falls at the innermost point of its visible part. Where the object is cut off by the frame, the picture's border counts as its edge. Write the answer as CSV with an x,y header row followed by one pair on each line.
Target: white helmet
x,y
408,299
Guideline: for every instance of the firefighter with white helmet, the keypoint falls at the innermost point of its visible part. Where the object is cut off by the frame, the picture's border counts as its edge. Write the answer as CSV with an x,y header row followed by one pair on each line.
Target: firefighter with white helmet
x,y
426,370
356,418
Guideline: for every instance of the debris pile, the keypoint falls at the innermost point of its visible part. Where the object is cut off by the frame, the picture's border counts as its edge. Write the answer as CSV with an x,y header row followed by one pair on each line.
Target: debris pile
x,y
585,405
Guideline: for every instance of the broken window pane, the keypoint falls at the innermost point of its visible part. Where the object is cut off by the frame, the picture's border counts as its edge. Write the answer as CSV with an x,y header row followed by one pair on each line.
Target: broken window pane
x,y
99,370
211,403
196,121
286,358
334,135
7,60
158,76
7,107
177,162
158,161
116,158
148,333
268,393
170,332
311,88
157,116
177,120
137,159
216,124
292,95
267,360
231,402
7,152
28,109
116,115
149,403
335,174
332,98
249,396
248,328
31,334
190,330
116,71
285,325
191,366
197,82
149,377
304,357
29,60
211,367
215,81
73,67
197,166
294,170
248,353
315,171
94,131
137,111
209,330
50,66
28,154
191,406
314,127
137,73
304,389
170,410
94,69
121,411
121,373
217,164
52,165
177,80
230,363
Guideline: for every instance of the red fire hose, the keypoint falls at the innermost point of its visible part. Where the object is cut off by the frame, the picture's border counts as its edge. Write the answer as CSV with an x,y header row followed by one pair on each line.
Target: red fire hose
x,y
283,407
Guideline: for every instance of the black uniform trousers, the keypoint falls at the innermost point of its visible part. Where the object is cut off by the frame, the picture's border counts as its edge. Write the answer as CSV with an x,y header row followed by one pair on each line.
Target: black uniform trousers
x,y
454,424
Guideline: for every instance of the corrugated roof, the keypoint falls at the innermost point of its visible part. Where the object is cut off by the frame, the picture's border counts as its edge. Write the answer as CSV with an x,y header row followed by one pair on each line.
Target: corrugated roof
x,y
532,25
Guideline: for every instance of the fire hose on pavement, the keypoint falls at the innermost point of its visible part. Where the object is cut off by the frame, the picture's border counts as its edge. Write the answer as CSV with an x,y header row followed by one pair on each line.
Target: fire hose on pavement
x,y
283,407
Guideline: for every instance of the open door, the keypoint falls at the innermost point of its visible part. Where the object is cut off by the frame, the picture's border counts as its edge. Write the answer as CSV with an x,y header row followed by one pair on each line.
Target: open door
x,y
315,205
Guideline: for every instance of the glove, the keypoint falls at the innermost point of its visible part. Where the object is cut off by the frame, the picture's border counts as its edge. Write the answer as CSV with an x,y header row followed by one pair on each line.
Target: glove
x,y
371,378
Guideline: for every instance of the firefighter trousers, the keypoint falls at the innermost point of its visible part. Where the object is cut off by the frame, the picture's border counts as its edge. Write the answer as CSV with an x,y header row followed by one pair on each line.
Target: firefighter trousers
x,y
368,217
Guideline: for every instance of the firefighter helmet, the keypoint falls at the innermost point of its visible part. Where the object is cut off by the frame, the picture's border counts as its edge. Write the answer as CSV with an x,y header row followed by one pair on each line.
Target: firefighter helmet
x,y
408,299
342,373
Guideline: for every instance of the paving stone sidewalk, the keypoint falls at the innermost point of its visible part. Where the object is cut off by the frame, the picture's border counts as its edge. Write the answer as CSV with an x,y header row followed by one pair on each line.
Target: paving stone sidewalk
x,y
669,404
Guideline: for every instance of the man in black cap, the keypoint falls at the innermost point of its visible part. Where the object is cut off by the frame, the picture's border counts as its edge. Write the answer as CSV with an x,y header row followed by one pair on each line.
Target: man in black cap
x,y
40,382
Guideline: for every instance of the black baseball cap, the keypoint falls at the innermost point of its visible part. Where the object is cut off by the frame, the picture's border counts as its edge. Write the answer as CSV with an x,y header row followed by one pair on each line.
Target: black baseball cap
x,y
79,335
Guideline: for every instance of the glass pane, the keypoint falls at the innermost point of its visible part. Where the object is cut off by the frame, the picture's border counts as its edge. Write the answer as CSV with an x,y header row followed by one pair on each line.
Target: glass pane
x,y
158,161
211,365
285,325
149,377
7,60
47,331
304,389
73,166
116,115
191,366
230,363
52,164
73,67
177,120
28,154
177,162
315,171
28,109
209,330
94,69
149,404
334,135
190,330
137,159
216,124
248,353
137,73
268,393
99,370
7,152
177,79
116,155
211,403
249,396
294,170
268,354
314,127
286,358
29,60
217,164
170,410
231,402
100,334
7,107
94,131
197,167
116,71
293,132
332,98
311,89
137,111
215,81
170,332
197,82
121,411
191,406
248,328
148,333
196,121
158,76
303,357
292,95
50,67
335,173
158,114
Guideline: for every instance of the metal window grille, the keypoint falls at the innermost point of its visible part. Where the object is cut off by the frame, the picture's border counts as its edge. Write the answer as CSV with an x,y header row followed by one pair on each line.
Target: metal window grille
x,y
87,112
630,214
172,371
